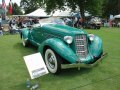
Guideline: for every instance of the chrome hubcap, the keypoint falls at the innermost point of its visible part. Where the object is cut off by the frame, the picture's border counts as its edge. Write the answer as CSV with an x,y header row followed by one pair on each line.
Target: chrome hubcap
x,y
51,61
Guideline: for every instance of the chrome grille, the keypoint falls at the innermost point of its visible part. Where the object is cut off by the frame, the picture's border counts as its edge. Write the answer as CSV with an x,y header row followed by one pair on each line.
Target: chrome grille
x,y
81,45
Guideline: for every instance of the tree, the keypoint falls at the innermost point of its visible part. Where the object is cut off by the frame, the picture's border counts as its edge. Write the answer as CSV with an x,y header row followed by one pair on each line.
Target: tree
x,y
111,7
29,5
118,6
16,9
92,6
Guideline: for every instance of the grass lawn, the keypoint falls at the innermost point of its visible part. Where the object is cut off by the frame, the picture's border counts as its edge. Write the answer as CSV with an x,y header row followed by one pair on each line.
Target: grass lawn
x,y
105,76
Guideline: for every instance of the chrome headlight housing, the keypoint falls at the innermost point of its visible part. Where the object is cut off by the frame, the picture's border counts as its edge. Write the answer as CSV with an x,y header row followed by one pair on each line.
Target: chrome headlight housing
x,y
91,36
68,39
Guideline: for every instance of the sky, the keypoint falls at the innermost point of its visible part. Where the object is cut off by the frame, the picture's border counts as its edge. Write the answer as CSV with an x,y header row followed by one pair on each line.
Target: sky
x,y
7,1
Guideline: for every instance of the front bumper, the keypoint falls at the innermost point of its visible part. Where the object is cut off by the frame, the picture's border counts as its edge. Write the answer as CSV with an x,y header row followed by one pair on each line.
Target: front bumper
x,y
79,65
98,24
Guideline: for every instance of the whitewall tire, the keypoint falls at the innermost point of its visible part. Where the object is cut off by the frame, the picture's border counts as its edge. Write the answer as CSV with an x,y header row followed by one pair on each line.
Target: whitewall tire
x,y
52,61
24,42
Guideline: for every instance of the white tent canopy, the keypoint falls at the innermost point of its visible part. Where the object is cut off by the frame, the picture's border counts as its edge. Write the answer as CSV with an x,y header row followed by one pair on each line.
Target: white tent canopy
x,y
60,13
117,16
38,13
67,13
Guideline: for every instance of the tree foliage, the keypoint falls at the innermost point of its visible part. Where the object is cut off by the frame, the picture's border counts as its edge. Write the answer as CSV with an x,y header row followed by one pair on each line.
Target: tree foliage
x,y
29,5
16,9
92,6
95,7
111,7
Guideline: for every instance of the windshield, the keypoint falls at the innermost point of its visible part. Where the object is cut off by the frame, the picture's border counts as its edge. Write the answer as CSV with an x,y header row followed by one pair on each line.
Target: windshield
x,y
95,19
52,21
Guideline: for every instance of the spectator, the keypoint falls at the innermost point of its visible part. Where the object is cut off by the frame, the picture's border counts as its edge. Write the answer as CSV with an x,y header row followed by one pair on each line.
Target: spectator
x,y
81,22
68,22
24,24
1,32
12,29
0,21
75,22
110,23
10,23
118,24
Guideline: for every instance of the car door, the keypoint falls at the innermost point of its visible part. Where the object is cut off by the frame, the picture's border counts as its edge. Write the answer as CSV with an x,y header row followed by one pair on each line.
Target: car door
x,y
37,34
41,34
34,34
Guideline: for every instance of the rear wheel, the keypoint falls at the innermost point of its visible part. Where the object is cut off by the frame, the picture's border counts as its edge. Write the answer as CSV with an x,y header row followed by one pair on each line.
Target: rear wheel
x,y
24,42
53,61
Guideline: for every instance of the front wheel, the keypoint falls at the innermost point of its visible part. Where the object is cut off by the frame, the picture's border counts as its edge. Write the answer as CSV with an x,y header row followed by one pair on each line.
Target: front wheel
x,y
52,61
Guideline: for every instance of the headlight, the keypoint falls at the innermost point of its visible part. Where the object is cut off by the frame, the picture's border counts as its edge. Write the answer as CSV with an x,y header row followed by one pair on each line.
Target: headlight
x,y
68,39
91,36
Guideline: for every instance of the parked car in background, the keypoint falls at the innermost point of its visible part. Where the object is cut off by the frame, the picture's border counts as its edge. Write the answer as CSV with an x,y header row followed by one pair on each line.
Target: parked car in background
x,y
63,46
93,23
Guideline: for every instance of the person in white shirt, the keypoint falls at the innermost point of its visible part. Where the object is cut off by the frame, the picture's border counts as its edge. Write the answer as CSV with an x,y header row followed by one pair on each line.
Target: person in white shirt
x,y
14,28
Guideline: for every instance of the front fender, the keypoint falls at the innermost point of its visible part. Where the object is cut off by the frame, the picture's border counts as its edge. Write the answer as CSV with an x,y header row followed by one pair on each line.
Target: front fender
x,y
95,46
60,48
24,33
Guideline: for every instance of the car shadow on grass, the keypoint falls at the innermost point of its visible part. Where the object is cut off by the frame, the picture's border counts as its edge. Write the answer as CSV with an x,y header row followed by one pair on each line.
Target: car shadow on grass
x,y
25,50
74,71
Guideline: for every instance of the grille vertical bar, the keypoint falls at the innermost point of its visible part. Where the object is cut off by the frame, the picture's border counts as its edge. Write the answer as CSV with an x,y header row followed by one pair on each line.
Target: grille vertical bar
x,y
81,45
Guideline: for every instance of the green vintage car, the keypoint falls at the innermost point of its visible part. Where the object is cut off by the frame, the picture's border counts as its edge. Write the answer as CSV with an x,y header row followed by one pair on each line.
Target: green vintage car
x,y
63,46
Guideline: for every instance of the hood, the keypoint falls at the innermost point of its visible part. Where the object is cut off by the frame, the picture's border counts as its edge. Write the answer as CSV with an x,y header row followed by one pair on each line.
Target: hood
x,y
62,29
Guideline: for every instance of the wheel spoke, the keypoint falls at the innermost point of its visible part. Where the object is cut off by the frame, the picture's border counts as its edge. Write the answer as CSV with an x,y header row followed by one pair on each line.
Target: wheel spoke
x,y
51,61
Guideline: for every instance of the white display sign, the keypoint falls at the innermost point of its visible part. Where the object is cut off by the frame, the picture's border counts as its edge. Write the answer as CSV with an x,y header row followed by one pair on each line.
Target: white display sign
x,y
35,65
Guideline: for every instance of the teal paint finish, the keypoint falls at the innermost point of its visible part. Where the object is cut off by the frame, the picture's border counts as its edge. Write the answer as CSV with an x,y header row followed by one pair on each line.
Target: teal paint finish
x,y
61,48
25,33
95,47
52,35
62,29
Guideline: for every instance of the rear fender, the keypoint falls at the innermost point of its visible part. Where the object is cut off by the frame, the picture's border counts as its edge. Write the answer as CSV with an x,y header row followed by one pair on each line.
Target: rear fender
x,y
24,33
60,48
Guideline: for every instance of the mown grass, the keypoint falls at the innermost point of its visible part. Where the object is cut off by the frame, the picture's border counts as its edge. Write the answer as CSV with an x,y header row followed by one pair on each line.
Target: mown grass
x,y
105,76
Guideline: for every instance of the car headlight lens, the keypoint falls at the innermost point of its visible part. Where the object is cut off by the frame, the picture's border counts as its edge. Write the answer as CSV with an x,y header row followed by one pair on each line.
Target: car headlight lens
x,y
91,36
68,39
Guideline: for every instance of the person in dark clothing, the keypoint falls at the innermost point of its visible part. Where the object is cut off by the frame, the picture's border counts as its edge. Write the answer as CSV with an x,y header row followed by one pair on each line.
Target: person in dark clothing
x,y
20,24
